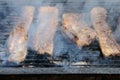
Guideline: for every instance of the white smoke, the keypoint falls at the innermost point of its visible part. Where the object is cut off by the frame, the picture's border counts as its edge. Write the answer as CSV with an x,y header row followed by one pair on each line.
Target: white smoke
x,y
78,6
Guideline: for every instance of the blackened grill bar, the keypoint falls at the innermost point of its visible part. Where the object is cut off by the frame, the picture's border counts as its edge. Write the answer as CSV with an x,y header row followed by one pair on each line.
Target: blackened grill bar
x,y
75,42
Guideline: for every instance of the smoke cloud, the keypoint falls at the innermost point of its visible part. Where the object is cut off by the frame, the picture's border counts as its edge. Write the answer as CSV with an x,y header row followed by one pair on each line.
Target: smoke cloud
x,y
61,45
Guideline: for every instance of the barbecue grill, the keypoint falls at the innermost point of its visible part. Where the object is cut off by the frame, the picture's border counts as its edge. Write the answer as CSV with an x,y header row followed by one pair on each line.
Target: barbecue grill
x,y
88,59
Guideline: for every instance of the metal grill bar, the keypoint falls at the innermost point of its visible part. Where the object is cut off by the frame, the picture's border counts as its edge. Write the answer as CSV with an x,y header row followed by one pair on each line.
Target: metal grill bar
x,y
32,61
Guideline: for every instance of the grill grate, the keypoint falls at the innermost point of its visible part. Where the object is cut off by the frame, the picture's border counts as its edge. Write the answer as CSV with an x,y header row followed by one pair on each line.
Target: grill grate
x,y
33,59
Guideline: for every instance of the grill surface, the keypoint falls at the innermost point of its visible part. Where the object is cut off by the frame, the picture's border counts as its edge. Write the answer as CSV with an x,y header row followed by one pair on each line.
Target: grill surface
x,y
35,60
90,61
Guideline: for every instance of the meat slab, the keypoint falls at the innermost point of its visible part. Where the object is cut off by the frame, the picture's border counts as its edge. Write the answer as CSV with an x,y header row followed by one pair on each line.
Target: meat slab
x,y
44,29
77,30
17,41
107,42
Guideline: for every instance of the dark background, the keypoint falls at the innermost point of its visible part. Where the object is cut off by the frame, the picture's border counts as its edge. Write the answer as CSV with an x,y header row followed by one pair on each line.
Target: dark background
x,y
61,77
